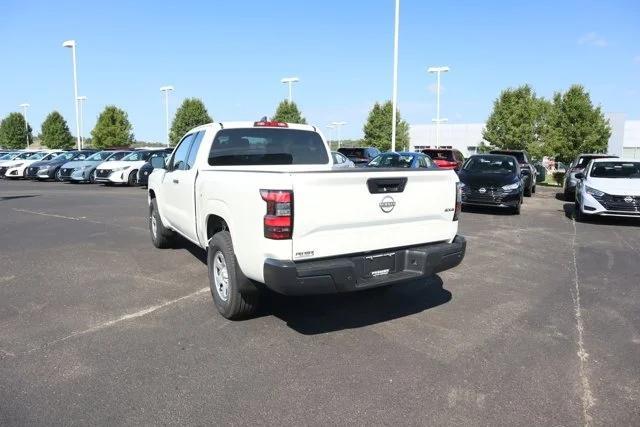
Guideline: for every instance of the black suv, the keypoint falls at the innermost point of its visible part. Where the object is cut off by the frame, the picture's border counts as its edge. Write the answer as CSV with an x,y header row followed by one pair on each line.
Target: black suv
x,y
529,172
359,156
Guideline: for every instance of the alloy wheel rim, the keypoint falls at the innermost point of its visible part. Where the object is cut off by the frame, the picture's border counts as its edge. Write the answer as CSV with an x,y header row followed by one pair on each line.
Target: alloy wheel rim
x,y
221,276
154,226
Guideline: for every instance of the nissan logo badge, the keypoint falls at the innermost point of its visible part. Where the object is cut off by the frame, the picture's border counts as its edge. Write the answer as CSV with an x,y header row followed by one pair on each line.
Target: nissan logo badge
x,y
387,204
482,190
628,199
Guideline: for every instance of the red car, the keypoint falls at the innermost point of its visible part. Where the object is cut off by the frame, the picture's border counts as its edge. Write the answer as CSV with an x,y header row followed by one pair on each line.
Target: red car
x,y
445,158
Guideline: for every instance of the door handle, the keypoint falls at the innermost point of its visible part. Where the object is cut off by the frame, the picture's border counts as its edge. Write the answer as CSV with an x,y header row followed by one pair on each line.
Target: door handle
x,y
175,181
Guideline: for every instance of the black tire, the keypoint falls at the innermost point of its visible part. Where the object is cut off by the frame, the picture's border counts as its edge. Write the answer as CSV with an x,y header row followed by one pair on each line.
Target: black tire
x,y
242,295
58,175
516,208
567,195
577,213
533,189
92,177
161,236
527,191
132,180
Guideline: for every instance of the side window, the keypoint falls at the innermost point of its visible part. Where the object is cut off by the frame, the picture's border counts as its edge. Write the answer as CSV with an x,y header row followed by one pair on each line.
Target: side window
x,y
81,157
422,162
179,160
191,160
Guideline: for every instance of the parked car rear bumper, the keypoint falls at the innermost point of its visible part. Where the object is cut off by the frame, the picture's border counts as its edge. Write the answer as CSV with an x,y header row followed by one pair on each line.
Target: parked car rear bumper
x,y
348,273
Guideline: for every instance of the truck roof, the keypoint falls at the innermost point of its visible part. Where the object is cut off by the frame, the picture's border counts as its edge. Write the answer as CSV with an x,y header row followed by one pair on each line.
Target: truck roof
x,y
249,124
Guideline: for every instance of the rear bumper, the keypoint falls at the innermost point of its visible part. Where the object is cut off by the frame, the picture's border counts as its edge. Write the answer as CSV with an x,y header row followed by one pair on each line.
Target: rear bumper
x,y
345,274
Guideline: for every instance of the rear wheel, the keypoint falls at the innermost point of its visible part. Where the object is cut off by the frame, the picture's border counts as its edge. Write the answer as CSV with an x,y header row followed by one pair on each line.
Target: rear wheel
x,y
161,236
59,176
234,295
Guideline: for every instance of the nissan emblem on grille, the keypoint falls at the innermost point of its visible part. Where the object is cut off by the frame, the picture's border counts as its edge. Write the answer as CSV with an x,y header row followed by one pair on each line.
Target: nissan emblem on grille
x,y
387,204
628,199
482,190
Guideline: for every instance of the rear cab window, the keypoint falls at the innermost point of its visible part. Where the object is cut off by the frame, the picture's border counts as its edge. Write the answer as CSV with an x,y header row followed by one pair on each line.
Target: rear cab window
x,y
264,146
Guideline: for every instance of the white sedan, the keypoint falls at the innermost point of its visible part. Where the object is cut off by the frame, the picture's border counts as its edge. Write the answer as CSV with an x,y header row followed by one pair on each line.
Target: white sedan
x,y
19,167
124,171
608,187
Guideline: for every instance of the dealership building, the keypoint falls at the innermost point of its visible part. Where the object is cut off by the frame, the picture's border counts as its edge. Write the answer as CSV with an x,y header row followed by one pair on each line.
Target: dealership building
x,y
466,137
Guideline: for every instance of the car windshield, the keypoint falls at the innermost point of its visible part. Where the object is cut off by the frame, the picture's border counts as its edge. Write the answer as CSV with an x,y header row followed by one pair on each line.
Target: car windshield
x,y
630,170
26,155
584,161
517,154
353,153
39,156
8,156
137,156
99,156
439,154
50,156
264,146
498,165
391,160
67,156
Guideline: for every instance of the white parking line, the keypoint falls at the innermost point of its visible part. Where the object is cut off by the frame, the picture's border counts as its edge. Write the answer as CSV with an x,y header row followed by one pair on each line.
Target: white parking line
x,y
117,320
587,398
80,218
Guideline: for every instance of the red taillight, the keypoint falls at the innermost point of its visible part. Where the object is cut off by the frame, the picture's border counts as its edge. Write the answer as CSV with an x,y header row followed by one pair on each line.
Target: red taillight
x,y
278,222
271,124
458,208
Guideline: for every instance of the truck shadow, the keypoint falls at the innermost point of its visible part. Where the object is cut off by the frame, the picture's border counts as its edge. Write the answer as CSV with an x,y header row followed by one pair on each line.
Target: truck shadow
x,y
313,315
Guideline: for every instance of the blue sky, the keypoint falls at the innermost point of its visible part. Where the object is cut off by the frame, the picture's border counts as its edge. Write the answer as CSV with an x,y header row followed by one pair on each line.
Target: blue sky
x,y
232,54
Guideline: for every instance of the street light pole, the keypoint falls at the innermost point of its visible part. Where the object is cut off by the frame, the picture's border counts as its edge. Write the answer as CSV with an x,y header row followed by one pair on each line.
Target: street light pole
x,y
331,128
338,126
166,90
72,44
26,123
438,120
81,100
290,81
394,99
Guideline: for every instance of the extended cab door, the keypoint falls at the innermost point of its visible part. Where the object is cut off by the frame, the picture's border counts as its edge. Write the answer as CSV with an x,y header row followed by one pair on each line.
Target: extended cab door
x,y
179,186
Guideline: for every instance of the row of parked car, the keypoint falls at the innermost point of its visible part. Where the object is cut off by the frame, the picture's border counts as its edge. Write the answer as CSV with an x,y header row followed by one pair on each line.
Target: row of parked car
x,y
130,167
501,178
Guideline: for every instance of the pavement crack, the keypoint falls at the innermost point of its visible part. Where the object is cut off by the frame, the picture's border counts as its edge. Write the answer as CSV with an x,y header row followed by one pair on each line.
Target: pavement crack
x,y
587,398
117,320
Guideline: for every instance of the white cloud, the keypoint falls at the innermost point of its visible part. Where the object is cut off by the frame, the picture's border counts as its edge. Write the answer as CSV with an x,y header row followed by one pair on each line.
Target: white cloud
x,y
593,39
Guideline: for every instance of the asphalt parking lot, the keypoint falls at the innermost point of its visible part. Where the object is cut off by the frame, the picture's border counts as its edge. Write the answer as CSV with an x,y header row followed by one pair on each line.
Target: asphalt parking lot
x,y
99,327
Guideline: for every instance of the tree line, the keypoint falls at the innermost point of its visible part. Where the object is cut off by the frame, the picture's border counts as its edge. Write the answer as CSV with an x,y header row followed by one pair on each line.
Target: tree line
x,y
561,127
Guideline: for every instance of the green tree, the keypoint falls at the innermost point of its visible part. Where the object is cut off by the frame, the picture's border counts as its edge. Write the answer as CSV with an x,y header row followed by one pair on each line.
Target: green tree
x,y
288,112
575,126
377,129
517,121
113,129
55,132
13,132
190,114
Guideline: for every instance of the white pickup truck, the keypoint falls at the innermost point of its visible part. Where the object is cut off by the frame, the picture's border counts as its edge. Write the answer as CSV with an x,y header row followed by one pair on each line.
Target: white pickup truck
x,y
263,200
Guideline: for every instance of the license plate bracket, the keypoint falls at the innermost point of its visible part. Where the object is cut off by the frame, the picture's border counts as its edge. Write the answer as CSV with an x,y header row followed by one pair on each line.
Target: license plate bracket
x,y
380,264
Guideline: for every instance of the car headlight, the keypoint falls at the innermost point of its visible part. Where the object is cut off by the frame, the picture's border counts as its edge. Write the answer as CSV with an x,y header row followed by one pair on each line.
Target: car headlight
x,y
17,165
511,187
120,169
593,191
43,168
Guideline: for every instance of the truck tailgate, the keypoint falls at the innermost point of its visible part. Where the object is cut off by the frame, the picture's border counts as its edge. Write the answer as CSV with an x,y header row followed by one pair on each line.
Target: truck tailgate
x,y
338,213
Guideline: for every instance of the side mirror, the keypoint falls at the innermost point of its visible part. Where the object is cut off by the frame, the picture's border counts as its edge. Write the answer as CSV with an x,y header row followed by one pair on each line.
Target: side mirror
x,y
157,163
579,175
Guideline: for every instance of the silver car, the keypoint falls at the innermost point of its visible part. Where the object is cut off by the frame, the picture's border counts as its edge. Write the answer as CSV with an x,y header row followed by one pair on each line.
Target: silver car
x,y
340,161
